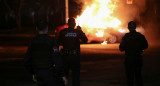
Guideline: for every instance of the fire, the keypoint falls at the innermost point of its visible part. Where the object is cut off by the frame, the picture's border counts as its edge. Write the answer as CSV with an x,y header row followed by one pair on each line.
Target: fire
x,y
100,33
98,16
104,43
121,30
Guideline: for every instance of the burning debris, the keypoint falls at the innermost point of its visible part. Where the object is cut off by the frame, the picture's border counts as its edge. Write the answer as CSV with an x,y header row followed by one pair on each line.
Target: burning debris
x,y
104,43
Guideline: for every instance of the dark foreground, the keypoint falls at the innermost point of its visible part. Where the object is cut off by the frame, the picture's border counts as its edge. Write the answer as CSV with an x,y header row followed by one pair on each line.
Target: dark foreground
x,y
100,66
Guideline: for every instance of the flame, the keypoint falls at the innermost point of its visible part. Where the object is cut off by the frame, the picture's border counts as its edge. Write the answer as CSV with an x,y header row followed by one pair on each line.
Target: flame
x,y
104,43
121,30
98,16
100,33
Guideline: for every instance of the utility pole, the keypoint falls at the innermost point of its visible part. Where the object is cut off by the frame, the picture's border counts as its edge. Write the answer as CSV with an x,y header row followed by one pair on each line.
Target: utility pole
x,y
66,10
129,1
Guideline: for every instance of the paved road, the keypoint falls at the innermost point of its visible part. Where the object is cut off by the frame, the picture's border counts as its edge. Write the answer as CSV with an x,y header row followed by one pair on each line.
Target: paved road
x,y
100,66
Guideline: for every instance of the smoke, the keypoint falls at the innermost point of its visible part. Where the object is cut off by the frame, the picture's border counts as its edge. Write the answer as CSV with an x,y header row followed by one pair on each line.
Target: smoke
x,y
130,12
144,13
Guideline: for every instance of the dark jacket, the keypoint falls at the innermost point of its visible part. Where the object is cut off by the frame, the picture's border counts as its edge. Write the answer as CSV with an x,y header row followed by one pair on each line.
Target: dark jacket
x,y
71,38
133,43
43,53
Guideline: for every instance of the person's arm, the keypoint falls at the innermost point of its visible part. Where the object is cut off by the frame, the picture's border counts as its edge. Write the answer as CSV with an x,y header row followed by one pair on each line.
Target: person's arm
x,y
58,63
27,60
82,35
60,38
122,44
145,43
28,63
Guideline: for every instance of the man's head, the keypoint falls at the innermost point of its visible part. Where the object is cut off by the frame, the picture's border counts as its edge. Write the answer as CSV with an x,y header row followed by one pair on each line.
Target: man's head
x,y
72,22
42,26
131,26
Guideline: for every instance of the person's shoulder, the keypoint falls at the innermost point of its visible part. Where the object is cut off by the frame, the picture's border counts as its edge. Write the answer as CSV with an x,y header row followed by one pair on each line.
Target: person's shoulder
x,y
135,34
34,38
139,35
63,30
76,29
127,34
51,38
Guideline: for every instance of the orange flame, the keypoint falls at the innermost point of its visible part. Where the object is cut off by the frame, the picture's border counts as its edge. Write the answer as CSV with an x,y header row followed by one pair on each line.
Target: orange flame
x,y
100,33
104,43
98,17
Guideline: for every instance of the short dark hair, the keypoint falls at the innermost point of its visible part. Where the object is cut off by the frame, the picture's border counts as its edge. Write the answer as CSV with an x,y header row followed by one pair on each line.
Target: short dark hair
x,y
41,25
132,25
71,21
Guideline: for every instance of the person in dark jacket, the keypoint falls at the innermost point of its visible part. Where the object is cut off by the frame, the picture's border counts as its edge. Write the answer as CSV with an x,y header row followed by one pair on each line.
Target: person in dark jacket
x,y
70,39
43,60
133,43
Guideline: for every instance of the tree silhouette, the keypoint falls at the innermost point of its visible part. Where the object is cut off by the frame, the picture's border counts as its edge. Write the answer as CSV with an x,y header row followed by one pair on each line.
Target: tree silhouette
x,y
15,10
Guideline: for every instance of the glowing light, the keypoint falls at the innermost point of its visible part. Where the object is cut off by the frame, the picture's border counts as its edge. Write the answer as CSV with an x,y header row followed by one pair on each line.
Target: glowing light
x,y
104,43
121,30
100,33
98,16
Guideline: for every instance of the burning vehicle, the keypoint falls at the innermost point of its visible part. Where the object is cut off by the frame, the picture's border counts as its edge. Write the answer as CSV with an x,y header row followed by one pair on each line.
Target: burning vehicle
x,y
102,20
109,35
98,22
98,35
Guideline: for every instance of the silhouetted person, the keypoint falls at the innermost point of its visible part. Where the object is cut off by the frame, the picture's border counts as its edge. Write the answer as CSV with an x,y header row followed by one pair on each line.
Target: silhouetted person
x,y
70,38
43,60
133,43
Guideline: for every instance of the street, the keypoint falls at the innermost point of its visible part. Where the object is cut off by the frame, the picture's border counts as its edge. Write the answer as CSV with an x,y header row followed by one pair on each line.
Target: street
x,y
99,20
101,65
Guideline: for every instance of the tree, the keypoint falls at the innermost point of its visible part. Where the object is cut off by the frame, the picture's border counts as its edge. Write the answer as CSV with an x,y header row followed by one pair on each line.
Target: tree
x,y
49,10
16,12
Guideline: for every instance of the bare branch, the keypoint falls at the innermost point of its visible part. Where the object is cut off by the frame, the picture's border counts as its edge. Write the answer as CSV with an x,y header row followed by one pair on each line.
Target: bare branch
x,y
16,15
9,8
20,6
